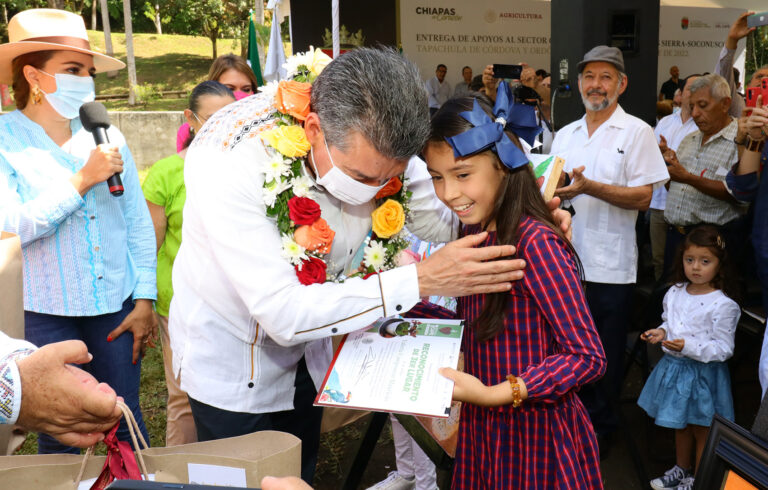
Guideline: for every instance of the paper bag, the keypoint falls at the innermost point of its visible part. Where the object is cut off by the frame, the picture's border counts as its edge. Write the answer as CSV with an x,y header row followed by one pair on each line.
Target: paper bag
x,y
11,317
255,455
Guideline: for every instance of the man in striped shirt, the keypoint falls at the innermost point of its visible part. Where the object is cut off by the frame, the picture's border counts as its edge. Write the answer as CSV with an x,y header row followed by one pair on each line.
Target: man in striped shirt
x,y
697,170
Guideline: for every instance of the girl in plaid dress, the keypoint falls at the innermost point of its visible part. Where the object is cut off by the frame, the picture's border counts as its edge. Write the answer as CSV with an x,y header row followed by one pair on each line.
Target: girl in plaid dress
x,y
528,350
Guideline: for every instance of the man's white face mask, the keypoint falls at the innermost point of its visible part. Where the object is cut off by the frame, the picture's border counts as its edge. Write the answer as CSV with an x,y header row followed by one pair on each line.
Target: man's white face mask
x,y
342,186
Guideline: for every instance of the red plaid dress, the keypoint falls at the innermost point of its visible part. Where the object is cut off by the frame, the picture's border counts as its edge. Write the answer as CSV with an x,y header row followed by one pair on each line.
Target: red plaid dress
x,y
550,342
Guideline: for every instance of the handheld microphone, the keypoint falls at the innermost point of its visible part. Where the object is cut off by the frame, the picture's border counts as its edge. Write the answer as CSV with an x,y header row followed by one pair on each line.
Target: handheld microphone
x,y
94,117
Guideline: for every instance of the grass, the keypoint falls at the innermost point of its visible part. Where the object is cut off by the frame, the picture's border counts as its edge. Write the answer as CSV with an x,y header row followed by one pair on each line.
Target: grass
x,y
164,62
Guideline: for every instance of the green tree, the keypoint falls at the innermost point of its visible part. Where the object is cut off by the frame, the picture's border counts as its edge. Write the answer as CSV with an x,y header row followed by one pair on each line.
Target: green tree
x,y
214,19
757,51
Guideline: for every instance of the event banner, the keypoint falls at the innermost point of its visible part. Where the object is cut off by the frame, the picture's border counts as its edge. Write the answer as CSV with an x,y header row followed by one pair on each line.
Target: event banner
x,y
458,33
393,367
692,37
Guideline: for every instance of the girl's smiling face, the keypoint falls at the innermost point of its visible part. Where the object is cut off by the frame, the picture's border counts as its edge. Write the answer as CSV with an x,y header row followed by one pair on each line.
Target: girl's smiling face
x,y
467,185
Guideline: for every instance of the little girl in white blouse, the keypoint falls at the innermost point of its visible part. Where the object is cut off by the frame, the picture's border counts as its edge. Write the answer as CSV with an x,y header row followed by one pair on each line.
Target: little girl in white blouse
x,y
691,383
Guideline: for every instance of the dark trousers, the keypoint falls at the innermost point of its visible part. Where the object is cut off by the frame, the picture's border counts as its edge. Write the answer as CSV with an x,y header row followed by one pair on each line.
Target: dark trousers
x,y
111,362
303,421
610,307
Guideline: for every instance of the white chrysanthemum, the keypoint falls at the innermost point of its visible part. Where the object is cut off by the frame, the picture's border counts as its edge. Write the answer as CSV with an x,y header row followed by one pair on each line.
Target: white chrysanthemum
x,y
292,251
277,167
270,89
302,186
374,255
271,191
293,63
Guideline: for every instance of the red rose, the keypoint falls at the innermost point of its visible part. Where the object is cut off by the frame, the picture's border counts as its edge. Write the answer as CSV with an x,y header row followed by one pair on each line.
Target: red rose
x,y
393,187
312,271
303,210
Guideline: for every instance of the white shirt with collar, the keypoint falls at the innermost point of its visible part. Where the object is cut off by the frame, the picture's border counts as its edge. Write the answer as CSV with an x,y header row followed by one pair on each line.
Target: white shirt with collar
x,y
240,321
621,152
674,130
438,92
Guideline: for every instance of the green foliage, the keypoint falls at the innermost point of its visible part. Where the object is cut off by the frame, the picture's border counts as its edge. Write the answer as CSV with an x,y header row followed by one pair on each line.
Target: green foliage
x,y
150,12
757,51
13,7
147,92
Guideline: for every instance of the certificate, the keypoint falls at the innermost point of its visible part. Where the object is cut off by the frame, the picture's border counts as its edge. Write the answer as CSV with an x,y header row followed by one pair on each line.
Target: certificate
x,y
392,367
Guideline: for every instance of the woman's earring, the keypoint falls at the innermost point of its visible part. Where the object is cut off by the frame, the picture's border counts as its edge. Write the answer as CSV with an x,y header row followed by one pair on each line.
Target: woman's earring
x,y
37,95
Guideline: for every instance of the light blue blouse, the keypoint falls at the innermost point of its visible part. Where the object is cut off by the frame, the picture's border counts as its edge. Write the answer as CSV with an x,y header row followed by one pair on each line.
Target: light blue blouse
x,y
83,256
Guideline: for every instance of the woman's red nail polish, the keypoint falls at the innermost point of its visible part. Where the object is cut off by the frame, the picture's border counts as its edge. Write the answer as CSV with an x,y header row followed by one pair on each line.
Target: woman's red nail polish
x,y
109,338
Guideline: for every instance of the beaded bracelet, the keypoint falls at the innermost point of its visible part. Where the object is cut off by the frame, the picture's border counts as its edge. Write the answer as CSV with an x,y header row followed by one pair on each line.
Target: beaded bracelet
x,y
517,398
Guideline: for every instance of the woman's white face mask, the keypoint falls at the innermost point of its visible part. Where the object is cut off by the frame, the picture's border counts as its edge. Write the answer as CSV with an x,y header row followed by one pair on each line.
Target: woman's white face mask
x,y
71,92
342,186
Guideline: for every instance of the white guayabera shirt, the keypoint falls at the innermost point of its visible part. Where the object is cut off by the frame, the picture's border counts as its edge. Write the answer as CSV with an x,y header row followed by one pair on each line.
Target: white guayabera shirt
x,y
240,321
621,152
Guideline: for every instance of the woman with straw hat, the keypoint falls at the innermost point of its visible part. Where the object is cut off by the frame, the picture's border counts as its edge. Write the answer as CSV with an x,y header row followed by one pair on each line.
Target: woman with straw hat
x,y
89,261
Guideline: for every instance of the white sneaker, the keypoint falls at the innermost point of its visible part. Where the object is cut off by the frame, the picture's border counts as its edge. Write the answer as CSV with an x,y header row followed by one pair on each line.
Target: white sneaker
x,y
395,482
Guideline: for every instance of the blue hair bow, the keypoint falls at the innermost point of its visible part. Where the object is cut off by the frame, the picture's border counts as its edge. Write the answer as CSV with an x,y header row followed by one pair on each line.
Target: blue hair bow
x,y
487,133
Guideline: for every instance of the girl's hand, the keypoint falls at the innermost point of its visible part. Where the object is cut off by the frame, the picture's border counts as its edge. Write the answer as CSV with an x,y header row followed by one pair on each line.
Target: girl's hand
x,y
654,335
467,388
674,345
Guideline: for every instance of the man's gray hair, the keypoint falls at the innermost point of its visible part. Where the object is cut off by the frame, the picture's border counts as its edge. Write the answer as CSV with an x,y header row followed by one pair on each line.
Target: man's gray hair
x,y
378,93
717,85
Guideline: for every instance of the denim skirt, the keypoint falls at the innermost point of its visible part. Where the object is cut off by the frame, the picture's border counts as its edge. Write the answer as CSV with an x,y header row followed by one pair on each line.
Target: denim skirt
x,y
681,391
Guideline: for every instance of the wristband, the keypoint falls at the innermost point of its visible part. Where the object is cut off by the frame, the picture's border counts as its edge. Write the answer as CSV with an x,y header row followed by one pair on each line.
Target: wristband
x,y
517,398
740,143
755,145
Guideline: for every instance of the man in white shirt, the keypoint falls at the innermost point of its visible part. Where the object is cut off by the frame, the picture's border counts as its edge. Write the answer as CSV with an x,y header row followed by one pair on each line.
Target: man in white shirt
x,y
669,132
41,390
438,89
615,164
246,335
724,67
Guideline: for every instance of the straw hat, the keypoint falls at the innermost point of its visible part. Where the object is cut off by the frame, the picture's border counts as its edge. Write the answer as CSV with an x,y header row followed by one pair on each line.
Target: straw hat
x,y
48,29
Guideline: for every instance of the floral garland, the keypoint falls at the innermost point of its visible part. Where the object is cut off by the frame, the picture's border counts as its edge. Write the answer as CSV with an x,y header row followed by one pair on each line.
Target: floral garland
x,y
287,194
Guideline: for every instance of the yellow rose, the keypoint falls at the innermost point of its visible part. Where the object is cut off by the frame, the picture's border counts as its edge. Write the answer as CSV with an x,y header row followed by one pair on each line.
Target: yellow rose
x,y
319,61
291,141
388,219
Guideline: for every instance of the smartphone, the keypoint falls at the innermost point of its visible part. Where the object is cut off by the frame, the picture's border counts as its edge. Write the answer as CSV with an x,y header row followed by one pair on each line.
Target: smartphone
x,y
757,20
752,94
511,72
764,84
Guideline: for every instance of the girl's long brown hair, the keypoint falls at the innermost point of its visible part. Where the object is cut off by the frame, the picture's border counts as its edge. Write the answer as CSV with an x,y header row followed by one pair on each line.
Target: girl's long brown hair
x,y
519,196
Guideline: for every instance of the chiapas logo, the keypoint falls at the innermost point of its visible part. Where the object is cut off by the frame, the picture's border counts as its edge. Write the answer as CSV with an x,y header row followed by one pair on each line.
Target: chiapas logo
x,y
439,13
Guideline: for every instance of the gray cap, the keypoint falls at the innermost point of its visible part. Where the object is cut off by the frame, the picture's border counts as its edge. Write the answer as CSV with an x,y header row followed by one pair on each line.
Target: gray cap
x,y
603,53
